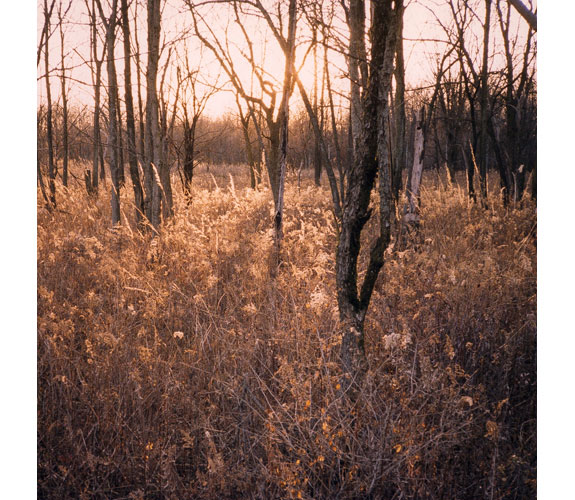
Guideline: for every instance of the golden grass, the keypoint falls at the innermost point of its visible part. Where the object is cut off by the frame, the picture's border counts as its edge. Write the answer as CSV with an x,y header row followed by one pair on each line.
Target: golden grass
x,y
175,368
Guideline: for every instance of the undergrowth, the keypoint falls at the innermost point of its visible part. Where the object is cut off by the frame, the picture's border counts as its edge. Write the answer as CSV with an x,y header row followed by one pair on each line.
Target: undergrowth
x,y
174,367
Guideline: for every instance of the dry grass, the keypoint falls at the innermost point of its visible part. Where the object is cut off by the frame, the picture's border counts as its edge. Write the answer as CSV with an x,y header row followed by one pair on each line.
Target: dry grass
x,y
174,367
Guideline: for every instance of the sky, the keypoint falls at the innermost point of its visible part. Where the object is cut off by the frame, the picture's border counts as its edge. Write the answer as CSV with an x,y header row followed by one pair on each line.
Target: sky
x,y
424,40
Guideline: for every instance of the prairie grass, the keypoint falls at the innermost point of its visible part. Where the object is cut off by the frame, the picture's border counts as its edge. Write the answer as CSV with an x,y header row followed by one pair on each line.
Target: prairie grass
x,y
174,367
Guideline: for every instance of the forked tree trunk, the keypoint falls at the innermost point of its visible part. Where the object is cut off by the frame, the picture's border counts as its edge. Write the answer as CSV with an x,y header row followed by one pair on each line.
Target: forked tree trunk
x,y
112,118
93,184
353,304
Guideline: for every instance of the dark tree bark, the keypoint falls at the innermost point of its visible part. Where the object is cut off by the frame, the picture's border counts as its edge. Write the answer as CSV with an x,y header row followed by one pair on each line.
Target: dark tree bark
x,y
130,120
529,16
283,118
40,177
370,157
339,160
120,139
45,30
152,201
484,106
316,143
52,167
400,151
357,66
472,85
97,156
189,152
65,147
167,123
112,146
141,113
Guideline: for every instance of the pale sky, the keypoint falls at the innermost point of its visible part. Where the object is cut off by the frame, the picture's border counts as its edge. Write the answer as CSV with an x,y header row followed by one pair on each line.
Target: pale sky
x,y
422,45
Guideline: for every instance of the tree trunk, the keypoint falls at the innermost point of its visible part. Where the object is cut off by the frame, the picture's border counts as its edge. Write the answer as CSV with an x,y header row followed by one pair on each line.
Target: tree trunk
x,y
372,144
245,122
316,142
65,148
484,105
41,183
52,168
283,120
130,120
112,118
96,80
469,159
273,159
525,13
120,139
189,154
356,64
152,202
141,118
411,211
338,156
399,156
96,151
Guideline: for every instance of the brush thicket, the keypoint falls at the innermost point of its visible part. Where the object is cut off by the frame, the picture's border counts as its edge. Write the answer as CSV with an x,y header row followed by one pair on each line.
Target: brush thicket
x,y
174,367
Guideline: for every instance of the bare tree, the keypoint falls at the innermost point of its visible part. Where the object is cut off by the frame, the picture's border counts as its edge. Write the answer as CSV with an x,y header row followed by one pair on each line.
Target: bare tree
x,y
152,201
484,105
462,16
371,157
399,150
65,149
283,118
316,144
194,97
110,25
357,63
510,150
526,13
411,210
130,119
52,167
141,119
276,116
166,127
96,62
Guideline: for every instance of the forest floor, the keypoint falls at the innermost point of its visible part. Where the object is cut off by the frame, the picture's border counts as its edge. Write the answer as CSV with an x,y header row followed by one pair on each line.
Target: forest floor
x,y
175,367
